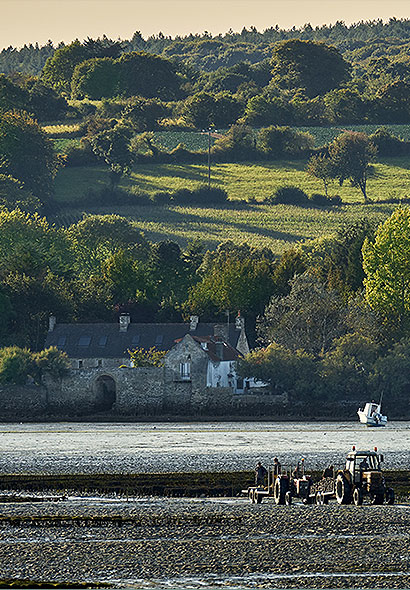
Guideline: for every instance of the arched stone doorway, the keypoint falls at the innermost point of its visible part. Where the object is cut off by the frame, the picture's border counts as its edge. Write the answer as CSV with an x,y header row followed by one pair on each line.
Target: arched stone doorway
x,y
105,389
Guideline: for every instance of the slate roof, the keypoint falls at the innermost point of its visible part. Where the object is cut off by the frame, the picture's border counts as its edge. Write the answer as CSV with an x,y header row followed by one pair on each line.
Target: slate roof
x,y
229,353
106,341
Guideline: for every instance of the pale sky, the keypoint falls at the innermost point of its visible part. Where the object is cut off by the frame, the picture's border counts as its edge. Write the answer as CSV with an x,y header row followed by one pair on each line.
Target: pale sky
x,y
25,21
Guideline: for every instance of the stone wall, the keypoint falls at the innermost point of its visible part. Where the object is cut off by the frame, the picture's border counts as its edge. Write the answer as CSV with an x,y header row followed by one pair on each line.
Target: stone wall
x,y
17,401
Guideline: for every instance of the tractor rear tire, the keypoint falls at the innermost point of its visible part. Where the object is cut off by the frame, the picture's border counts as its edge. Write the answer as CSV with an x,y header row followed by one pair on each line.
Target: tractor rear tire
x,y
343,490
378,499
357,497
279,491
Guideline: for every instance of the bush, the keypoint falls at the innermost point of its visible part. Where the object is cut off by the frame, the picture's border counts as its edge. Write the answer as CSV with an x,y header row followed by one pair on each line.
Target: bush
x,y
114,196
80,156
201,195
324,201
288,195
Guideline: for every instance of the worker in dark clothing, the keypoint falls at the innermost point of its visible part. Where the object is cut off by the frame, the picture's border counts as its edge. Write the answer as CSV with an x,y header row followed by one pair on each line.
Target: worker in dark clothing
x,y
277,467
260,474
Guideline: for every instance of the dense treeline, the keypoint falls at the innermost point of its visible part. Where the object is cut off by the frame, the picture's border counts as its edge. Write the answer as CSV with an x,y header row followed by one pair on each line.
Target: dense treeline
x,y
206,52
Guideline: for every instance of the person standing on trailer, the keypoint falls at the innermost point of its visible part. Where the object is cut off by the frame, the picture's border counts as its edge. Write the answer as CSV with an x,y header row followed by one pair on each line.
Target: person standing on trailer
x,y
260,474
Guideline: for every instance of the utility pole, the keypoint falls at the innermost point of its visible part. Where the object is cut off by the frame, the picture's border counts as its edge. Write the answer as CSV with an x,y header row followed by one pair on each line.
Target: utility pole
x,y
209,159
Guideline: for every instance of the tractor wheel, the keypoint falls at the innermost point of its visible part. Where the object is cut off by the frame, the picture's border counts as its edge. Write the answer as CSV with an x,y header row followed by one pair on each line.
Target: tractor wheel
x,y
357,497
390,496
343,490
279,491
288,498
251,497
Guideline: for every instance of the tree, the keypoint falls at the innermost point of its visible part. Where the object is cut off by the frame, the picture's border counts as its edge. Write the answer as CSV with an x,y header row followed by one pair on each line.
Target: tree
x,y
95,78
29,245
309,318
233,278
96,237
197,110
350,154
279,142
59,68
313,66
144,113
291,372
386,263
321,167
13,195
26,153
113,147
239,143
15,365
140,357
50,361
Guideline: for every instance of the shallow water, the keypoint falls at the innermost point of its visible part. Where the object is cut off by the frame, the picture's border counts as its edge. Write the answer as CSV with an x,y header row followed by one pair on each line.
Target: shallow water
x,y
162,447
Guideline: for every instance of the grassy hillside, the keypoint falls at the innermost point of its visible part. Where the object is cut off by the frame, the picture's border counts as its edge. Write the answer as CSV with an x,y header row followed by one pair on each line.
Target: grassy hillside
x,y
260,225
245,181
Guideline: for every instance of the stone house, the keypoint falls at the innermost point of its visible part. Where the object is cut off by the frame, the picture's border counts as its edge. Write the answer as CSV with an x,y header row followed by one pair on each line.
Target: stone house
x,y
198,373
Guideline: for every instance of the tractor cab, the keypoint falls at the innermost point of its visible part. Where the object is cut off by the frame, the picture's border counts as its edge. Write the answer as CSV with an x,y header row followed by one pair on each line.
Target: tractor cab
x,y
360,464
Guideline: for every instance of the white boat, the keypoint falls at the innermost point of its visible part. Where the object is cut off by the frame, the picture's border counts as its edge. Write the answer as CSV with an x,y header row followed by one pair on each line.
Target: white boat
x,y
371,415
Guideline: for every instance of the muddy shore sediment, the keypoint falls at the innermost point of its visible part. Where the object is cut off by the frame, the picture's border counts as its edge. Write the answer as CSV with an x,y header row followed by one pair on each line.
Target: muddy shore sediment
x,y
181,542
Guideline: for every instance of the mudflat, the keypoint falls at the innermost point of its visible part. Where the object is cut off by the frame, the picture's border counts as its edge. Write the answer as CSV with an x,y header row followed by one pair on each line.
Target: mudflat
x,y
204,542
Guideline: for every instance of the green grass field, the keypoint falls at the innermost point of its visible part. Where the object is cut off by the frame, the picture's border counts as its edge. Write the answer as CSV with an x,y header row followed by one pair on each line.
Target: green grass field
x,y
260,225
245,181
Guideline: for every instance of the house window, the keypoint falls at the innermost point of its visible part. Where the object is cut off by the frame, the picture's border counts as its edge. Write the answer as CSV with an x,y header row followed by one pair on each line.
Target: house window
x,y
80,364
84,341
61,341
159,339
102,341
185,371
136,339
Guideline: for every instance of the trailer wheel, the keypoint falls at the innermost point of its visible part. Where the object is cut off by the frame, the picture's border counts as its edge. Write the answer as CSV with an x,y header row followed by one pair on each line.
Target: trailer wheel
x,y
343,490
390,496
279,491
357,497
288,498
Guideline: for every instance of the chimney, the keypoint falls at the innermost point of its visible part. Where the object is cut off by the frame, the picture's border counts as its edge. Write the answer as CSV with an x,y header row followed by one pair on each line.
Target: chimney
x,y
239,322
124,322
221,331
193,322
52,320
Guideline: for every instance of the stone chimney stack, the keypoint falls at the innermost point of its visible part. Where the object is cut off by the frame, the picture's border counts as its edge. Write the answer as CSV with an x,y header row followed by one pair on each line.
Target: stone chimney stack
x,y
124,321
52,320
193,322
239,322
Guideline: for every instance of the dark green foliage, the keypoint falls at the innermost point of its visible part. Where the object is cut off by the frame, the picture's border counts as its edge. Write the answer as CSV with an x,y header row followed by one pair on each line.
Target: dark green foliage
x,y
283,142
95,78
289,195
145,74
26,153
13,195
315,67
202,195
325,201
237,145
389,145
15,365
144,113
